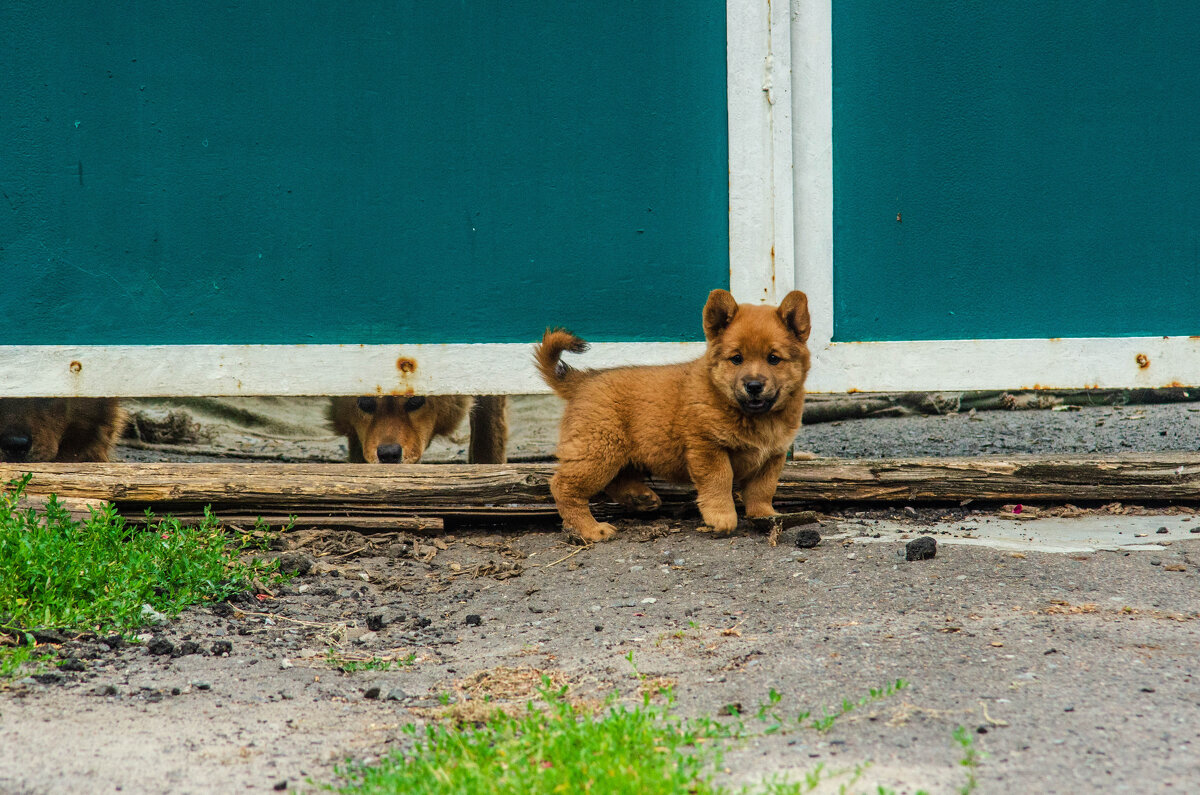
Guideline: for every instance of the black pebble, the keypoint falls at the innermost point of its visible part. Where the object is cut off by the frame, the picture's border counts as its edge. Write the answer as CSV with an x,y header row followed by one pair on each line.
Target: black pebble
x,y
72,664
474,620
222,647
1162,530
160,646
280,786
295,563
375,622
807,539
188,647
923,548
373,692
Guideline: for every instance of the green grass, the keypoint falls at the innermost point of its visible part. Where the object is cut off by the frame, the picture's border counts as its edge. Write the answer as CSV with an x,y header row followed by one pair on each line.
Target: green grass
x,y
349,665
102,575
970,758
554,746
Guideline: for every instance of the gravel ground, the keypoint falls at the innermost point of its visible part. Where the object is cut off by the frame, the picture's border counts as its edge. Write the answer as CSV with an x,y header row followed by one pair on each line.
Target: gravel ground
x,y
1073,672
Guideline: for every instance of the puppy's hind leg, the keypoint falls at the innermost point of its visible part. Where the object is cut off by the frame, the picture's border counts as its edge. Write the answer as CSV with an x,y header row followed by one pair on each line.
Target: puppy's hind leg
x,y
630,490
572,486
489,430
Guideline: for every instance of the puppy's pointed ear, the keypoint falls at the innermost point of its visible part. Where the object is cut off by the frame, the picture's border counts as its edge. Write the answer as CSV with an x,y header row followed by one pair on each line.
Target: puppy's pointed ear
x,y
718,313
793,311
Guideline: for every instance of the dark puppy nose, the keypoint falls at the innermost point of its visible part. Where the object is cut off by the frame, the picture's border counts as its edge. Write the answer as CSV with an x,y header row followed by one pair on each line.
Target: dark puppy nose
x,y
389,453
15,445
753,388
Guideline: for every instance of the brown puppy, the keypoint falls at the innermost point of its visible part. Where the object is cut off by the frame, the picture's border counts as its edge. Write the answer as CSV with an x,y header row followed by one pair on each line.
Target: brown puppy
x,y
722,422
397,429
59,429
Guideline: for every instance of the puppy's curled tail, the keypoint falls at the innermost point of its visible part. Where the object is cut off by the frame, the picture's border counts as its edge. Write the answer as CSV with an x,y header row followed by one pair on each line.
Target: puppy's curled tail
x,y
558,374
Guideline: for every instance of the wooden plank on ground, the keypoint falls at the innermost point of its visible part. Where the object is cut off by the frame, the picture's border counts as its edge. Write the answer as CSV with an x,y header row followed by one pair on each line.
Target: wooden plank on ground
x,y
435,489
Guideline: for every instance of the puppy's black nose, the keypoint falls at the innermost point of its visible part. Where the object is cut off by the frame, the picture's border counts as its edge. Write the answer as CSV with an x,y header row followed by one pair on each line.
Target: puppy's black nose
x,y
389,453
753,388
15,445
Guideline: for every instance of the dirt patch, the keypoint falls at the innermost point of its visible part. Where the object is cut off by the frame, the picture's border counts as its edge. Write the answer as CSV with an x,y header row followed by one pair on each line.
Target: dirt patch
x,y
385,630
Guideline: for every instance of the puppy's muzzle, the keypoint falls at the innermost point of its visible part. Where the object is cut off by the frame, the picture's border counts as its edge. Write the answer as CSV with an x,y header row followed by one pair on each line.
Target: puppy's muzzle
x,y
15,445
389,453
754,398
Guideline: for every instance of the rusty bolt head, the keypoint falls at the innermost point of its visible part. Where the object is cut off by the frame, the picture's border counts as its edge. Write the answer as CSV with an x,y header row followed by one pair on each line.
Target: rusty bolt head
x,y
75,367
1143,361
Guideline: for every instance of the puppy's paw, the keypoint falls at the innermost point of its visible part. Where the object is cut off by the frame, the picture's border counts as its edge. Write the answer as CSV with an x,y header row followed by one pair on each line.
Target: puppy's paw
x,y
760,511
722,523
643,501
601,531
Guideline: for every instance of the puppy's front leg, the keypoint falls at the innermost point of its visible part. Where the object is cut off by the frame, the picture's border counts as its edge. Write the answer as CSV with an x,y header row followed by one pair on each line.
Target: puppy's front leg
x,y
759,489
712,473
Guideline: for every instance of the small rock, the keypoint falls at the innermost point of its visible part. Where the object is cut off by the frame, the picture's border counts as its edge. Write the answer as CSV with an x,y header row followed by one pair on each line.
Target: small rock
x,y
114,642
280,786
202,685
599,627
188,647
473,620
295,563
911,511
72,664
152,616
106,690
807,539
221,647
51,678
160,646
373,692
375,622
368,637
923,548
1162,530
285,663
649,600
396,694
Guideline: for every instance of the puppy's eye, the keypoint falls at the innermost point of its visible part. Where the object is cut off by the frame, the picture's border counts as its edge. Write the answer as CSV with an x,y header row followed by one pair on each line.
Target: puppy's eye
x,y
736,358
414,403
368,404
773,360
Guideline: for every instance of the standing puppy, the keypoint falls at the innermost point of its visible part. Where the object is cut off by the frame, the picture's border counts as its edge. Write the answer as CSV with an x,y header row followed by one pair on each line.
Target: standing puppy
x,y
721,422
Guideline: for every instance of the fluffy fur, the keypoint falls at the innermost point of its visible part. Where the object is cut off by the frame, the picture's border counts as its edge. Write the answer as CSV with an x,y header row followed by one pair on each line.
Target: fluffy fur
x,y
398,429
721,422
59,429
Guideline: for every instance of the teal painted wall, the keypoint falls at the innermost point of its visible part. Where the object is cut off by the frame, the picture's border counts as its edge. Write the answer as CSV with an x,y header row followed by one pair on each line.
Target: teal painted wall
x,y
1043,159
363,172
